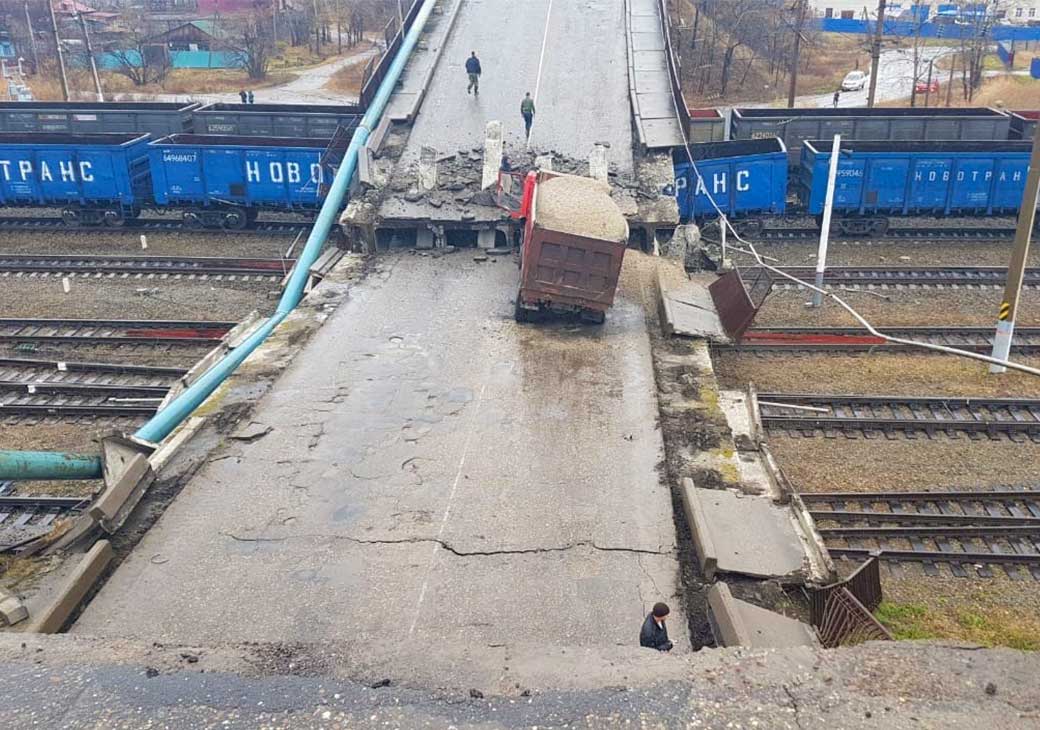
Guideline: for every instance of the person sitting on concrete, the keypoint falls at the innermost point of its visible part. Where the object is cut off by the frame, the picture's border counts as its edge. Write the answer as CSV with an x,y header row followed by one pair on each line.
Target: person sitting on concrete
x,y
654,634
242,96
527,112
473,69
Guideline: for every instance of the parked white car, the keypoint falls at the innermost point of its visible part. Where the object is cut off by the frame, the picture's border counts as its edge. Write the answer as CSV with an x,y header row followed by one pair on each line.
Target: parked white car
x,y
855,81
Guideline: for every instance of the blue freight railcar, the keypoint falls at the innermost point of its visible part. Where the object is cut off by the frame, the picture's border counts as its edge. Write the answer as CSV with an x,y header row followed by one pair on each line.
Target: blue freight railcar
x,y
93,178
880,179
744,178
227,180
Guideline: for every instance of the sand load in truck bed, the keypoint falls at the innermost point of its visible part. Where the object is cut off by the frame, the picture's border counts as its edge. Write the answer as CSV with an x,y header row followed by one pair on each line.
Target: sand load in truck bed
x,y
579,206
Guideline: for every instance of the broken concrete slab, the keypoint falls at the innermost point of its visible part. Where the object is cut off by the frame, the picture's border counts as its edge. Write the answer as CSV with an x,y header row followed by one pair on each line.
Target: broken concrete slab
x,y
427,168
12,610
598,167
122,493
739,623
743,534
688,311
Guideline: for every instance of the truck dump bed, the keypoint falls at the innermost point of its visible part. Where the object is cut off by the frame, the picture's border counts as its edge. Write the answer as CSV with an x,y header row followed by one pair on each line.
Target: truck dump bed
x,y
574,243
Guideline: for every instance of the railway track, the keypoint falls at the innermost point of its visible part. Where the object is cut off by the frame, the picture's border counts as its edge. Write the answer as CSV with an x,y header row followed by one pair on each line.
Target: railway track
x,y
893,416
27,370
149,225
970,532
852,339
893,235
22,519
150,266
111,331
933,276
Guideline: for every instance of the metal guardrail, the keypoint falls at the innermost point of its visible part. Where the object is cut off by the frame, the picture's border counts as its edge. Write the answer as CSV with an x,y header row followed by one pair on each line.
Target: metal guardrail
x,y
376,69
841,612
674,67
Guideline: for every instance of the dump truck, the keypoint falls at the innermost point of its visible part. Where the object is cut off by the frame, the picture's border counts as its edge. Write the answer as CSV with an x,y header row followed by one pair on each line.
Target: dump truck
x,y
574,240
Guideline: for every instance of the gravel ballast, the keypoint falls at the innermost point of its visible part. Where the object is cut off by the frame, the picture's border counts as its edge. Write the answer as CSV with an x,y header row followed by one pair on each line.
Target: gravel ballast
x,y
160,243
116,298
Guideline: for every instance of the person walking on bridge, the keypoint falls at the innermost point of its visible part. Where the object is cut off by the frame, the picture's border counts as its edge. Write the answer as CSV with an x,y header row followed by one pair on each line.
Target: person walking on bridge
x,y
473,70
527,112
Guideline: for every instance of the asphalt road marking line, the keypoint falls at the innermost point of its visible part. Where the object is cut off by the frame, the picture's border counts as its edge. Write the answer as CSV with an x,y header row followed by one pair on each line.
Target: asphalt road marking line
x,y
541,61
447,509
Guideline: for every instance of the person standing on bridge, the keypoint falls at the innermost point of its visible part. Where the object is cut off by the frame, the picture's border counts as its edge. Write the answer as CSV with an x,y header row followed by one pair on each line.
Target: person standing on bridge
x,y
837,95
654,634
527,112
242,96
473,70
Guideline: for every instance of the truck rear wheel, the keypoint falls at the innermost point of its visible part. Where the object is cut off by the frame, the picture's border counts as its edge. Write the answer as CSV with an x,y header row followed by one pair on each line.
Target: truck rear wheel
x,y
593,317
519,313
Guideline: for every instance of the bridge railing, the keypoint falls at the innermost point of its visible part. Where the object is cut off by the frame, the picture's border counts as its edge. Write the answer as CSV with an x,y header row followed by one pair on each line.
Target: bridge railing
x,y
393,33
674,67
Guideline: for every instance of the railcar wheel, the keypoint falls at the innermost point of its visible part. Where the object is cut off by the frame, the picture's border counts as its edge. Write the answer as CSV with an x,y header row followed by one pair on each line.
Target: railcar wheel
x,y
113,218
192,220
879,226
235,220
70,217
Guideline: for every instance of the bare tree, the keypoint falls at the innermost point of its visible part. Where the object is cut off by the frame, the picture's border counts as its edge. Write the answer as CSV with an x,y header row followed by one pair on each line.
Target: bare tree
x,y
251,35
975,44
136,55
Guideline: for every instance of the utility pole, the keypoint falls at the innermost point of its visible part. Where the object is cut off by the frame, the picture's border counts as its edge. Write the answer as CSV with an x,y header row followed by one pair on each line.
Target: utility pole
x,y
875,51
32,40
1017,267
90,55
928,87
797,53
57,47
949,86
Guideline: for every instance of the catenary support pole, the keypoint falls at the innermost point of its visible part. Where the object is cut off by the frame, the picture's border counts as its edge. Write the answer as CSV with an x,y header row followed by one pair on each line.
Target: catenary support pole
x,y
90,55
875,51
32,40
40,465
825,226
57,48
1017,267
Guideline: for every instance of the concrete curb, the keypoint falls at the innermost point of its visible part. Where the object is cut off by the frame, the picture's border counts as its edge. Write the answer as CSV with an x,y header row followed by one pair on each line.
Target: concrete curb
x,y
75,589
726,622
707,554
420,96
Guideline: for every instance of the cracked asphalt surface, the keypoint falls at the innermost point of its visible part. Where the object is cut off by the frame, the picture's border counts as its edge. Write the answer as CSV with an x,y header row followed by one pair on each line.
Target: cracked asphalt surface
x,y
438,486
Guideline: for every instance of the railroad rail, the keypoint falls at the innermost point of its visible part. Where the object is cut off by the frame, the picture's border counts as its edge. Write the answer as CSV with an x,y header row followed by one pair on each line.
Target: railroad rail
x,y
112,331
924,234
844,339
873,415
149,225
198,266
22,519
967,531
57,371
934,276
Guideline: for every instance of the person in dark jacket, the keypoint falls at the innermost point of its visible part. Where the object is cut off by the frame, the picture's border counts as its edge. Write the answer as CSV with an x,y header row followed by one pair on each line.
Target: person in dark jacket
x,y
473,69
837,96
654,634
527,112
242,96
250,95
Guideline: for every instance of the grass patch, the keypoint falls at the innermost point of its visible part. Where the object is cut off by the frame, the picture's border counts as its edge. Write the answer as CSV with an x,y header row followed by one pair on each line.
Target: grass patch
x,y
986,627
347,80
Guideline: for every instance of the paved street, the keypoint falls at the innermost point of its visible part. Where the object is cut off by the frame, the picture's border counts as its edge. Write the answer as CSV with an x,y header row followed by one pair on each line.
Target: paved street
x,y
440,486
580,82
895,80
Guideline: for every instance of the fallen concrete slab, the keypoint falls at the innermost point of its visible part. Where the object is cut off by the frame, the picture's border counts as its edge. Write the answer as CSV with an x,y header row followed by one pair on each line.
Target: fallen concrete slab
x,y
687,310
739,623
744,534
75,589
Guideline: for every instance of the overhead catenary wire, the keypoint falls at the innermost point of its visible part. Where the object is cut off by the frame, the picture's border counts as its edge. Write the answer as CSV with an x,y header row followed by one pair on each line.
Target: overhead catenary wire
x,y
753,252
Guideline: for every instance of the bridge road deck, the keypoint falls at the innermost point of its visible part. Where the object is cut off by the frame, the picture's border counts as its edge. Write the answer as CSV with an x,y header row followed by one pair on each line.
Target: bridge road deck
x,y
439,483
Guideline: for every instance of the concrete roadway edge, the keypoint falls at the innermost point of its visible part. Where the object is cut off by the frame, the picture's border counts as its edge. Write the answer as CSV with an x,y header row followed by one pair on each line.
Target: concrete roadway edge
x,y
188,448
420,96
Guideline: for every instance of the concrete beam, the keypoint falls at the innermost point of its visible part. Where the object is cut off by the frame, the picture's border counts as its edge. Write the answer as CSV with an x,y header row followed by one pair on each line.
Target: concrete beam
x,y
122,494
427,168
739,623
492,154
75,589
707,555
